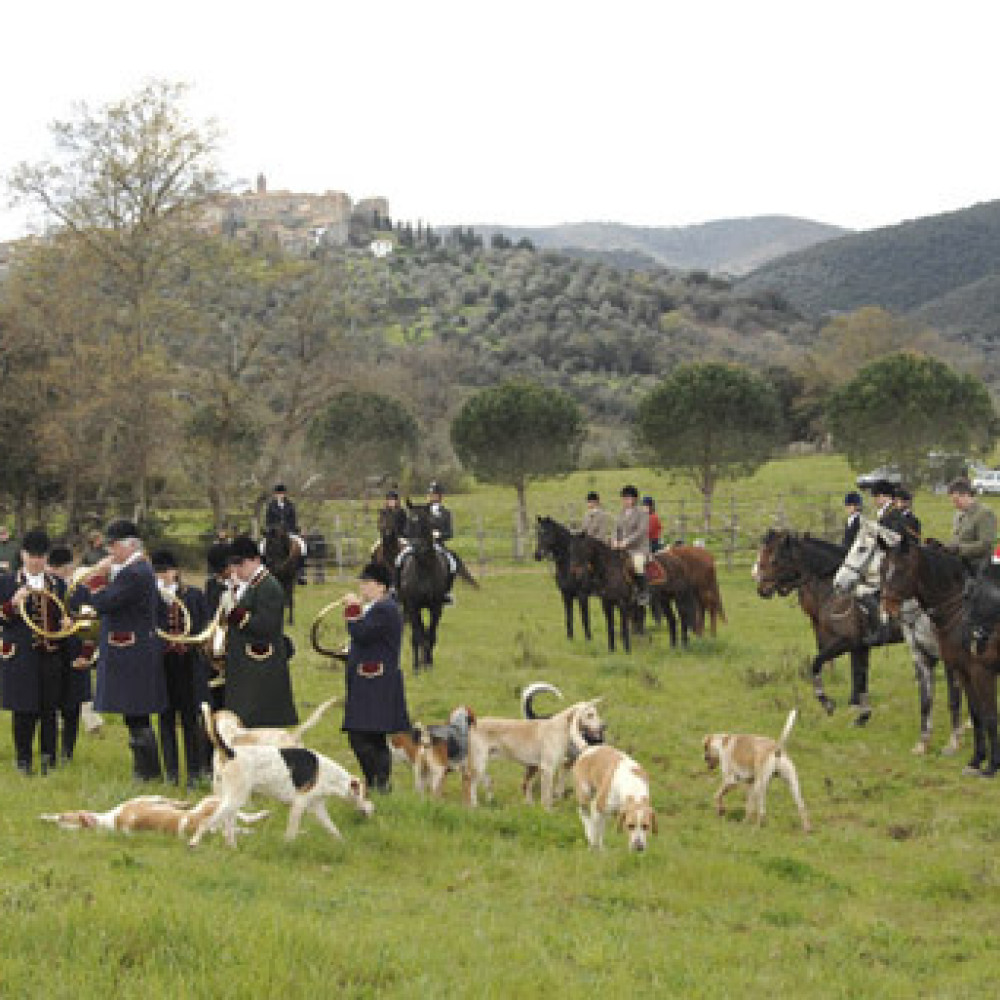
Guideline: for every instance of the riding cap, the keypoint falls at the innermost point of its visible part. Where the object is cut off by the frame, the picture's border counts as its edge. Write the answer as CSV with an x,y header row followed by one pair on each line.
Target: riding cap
x,y
217,557
592,496
243,547
61,555
649,502
279,488
960,485
378,573
35,542
163,559
630,491
435,487
392,494
883,488
854,497
902,493
116,531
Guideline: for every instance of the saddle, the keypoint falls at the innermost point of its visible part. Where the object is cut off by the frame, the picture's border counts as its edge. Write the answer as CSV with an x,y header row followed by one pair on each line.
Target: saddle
x,y
655,573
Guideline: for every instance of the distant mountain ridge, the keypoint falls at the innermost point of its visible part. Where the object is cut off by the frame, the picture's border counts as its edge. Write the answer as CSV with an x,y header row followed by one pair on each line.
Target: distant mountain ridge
x,y
903,267
730,246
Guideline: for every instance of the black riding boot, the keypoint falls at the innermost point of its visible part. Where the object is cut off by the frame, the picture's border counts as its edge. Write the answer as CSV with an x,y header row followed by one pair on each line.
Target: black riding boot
x,y
168,744
194,750
145,752
24,737
643,596
70,731
362,749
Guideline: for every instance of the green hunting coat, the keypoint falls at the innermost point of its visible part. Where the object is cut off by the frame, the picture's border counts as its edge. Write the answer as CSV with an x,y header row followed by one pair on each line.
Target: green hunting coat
x,y
974,533
258,684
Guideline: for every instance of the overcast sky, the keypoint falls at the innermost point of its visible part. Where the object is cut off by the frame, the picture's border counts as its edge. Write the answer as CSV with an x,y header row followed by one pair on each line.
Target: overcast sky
x,y
663,113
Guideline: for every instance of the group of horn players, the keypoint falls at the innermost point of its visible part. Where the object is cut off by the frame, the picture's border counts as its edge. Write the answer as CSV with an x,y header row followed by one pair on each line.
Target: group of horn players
x,y
128,633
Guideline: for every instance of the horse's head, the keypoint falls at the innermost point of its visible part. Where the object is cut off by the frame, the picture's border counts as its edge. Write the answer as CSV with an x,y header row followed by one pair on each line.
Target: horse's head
x,y
418,525
546,537
897,573
863,559
776,570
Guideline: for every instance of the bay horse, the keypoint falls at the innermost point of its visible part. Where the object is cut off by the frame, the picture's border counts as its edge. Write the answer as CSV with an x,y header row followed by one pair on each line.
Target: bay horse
x,y
936,578
606,573
552,541
670,586
699,564
787,561
424,580
283,558
861,565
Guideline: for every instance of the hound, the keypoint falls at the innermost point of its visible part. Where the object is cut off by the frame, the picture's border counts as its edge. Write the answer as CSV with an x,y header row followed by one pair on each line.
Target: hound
x,y
610,783
754,760
231,729
434,751
149,812
536,743
301,778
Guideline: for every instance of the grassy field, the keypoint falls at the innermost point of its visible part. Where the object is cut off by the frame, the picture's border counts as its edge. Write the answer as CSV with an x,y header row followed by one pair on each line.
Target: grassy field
x,y
894,894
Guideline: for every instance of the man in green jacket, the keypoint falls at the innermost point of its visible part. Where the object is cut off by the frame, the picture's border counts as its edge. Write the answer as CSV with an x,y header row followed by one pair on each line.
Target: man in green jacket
x,y
258,684
974,530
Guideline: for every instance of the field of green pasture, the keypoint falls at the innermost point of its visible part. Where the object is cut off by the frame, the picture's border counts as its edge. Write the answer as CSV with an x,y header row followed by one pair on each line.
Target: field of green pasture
x,y
894,894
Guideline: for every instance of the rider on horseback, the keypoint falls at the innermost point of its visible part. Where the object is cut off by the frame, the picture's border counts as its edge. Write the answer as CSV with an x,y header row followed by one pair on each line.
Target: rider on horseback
x,y
441,527
632,534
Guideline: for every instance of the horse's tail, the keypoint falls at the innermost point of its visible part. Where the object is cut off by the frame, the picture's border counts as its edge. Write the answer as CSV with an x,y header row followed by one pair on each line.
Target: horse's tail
x,y
463,572
528,697
789,722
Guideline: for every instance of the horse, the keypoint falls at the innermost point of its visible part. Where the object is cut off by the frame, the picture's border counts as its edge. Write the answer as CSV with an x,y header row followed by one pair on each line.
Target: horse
x,y
936,579
787,561
552,541
389,544
283,558
861,565
669,585
606,573
424,580
699,564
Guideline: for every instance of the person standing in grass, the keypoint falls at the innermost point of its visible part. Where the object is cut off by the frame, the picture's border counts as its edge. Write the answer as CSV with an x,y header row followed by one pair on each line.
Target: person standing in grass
x,y
376,701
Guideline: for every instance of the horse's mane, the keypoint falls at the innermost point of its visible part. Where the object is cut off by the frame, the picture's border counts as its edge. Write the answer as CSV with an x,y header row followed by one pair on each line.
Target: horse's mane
x,y
942,566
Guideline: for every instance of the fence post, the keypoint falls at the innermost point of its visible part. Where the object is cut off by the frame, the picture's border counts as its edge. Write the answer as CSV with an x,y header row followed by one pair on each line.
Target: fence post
x,y
733,533
681,522
338,544
481,538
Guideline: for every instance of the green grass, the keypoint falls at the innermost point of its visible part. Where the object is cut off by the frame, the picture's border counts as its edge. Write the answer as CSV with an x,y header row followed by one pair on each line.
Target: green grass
x,y
895,893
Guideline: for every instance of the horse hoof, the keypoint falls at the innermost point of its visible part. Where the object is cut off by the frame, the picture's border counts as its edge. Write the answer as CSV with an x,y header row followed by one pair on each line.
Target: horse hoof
x,y
990,772
829,705
971,771
920,749
862,718
950,748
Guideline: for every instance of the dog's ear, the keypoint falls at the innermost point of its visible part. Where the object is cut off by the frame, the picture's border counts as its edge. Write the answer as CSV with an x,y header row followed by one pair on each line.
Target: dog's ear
x,y
357,787
471,715
655,826
622,813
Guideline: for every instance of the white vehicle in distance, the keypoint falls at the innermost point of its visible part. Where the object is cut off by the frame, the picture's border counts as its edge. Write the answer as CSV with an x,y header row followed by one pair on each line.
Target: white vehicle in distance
x,y
986,481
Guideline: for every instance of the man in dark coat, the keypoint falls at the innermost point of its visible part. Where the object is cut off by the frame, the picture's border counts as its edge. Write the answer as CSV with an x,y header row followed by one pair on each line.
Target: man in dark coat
x,y
185,669
130,678
258,684
376,701
219,589
32,665
79,656
280,511
853,504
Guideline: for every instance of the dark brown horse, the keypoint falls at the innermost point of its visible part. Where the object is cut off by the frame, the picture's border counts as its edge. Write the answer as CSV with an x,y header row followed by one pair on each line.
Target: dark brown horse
x,y
552,541
699,564
389,544
936,579
606,573
283,558
788,561
670,587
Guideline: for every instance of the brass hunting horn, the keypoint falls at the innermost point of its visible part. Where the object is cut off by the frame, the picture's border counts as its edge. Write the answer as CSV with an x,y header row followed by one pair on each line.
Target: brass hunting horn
x,y
339,634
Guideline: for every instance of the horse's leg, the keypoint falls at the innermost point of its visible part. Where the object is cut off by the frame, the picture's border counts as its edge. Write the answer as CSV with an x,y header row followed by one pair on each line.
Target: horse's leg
x,y
923,668
609,621
625,613
668,613
416,636
984,680
954,711
585,614
978,733
567,599
431,636
826,653
860,663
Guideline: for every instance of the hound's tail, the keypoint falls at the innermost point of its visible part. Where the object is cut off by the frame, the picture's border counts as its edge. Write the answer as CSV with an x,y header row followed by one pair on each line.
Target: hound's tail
x,y
313,719
213,733
528,697
789,722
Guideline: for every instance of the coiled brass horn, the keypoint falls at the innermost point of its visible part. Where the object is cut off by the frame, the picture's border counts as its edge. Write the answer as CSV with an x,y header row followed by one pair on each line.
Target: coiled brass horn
x,y
184,635
76,623
337,653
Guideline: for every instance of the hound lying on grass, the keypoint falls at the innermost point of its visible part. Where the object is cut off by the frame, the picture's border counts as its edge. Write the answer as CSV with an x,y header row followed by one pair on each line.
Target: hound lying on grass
x,y
150,812
754,760
302,778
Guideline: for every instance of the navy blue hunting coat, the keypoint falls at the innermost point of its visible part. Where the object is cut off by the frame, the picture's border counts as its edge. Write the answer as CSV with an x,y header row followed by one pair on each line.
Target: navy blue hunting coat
x,y
376,700
130,678
30,664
